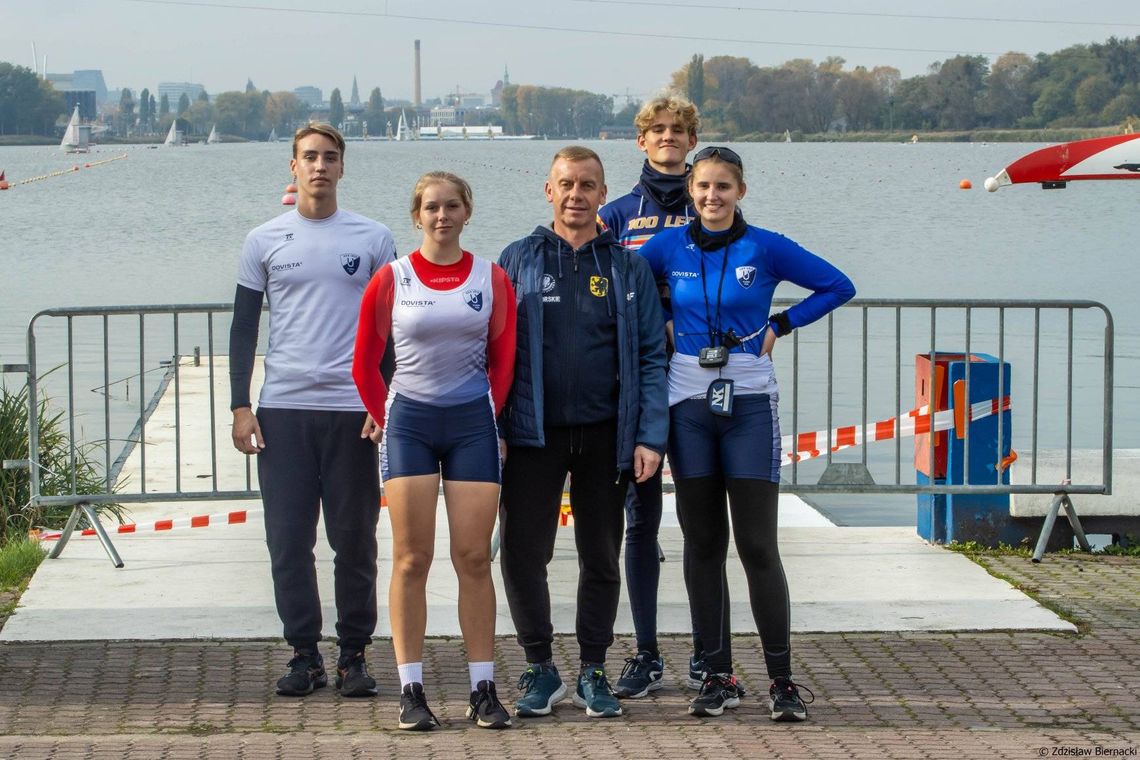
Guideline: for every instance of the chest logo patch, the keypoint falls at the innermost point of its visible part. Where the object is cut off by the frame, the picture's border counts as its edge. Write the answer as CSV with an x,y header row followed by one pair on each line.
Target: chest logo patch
x,y
474,299
746,276
350,262
599,286
547,283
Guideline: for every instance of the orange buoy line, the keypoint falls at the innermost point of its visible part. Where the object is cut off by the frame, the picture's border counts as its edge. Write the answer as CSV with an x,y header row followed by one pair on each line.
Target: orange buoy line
x,y
4,184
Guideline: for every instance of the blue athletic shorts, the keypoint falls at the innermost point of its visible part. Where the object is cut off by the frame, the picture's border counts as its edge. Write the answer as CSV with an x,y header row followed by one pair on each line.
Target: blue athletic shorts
x,y
745,445
461,441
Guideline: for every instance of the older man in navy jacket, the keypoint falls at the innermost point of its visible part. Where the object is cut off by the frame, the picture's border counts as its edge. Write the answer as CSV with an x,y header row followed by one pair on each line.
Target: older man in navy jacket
x,y
589,400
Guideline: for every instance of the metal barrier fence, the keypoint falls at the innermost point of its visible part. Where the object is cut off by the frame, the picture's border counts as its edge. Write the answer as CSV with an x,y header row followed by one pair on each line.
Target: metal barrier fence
x,y
852,368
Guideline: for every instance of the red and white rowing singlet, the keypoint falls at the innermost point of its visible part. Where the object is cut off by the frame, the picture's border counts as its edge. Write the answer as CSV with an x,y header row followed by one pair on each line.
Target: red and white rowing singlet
x,y
440,336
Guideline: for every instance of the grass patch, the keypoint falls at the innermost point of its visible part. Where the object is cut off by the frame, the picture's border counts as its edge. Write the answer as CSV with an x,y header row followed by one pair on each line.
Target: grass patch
x,y
19,559
64,468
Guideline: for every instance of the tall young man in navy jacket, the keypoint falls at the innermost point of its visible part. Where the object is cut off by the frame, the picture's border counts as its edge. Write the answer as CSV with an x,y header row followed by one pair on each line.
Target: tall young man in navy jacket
x,y
666,132
588,400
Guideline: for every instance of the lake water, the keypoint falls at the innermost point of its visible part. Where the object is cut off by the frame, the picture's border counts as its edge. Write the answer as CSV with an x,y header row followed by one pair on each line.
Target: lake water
x,y
166,225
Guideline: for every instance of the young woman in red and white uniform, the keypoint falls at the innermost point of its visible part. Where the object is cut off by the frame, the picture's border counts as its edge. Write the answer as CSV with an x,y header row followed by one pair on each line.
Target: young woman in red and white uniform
x,y
451,318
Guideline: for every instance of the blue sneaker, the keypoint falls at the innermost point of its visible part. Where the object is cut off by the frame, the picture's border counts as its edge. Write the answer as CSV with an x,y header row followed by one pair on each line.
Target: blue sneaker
x,y
542,687
696,677
594,693
641,675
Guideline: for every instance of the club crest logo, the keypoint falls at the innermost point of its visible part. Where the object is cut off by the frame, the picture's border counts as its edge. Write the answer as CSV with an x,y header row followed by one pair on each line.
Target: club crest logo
x,y
350,262
548,283
746,276
599,286
474,299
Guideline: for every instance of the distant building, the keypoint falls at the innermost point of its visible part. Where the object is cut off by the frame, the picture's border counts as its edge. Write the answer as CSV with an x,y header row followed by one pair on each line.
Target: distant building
x,y
618,132
447,116
354,100
310,96
85,99
497,90
175,90
91,79
84,88
472,101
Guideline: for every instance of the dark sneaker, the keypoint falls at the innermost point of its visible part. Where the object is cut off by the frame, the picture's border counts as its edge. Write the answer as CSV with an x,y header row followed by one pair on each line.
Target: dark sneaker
x,y
352,676
306,672
641,675
718,692
696,677
415,715
785,701
542,687
486,709
594,693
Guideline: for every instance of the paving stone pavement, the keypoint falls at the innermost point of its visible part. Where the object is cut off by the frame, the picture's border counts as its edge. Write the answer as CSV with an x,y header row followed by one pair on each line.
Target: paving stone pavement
x,y
882,695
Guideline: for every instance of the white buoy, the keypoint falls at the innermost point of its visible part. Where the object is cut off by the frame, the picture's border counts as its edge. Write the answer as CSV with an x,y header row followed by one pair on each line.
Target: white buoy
x,y
991,184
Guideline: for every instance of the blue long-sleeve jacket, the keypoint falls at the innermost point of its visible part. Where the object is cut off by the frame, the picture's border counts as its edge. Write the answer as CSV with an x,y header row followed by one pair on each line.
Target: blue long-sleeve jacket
x,y
746,275
642,399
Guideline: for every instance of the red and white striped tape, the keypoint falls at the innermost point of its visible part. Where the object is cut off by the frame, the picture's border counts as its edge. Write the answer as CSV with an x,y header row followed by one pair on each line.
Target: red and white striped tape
x,y
196,521
808,446
915,422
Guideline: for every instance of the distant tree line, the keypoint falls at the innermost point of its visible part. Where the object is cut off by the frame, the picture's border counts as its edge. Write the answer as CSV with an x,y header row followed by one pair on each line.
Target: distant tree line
x,y
554,111
1081,86
28,105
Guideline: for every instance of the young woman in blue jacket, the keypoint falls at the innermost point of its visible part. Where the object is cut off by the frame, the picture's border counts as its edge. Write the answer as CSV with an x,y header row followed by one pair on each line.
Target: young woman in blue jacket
x,y
724,436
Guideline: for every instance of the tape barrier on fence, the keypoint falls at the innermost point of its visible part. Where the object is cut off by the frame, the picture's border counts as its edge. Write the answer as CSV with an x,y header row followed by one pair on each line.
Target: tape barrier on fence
x,y
915,422
197,521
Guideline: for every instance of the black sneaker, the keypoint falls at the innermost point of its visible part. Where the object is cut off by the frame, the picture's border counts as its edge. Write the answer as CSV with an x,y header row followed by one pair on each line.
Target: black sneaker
x,y
696,677
415,715
641,675
486,709
719,691
785,701
352,676
306,672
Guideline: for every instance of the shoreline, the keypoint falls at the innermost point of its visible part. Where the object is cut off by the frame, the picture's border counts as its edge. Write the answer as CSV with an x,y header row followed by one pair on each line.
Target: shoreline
x,y
1047,135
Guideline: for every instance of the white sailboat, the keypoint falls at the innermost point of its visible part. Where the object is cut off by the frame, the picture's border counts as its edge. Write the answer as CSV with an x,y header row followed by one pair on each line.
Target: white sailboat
x,y
272,135
402,131
75,138
213,139
173,137
787,136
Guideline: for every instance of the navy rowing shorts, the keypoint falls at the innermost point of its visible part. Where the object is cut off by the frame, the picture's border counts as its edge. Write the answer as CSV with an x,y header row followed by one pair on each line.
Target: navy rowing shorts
x,y
462,441
745,445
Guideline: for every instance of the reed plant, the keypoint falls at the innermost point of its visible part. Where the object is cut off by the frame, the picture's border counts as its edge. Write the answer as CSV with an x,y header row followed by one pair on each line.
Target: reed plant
x,y
17,514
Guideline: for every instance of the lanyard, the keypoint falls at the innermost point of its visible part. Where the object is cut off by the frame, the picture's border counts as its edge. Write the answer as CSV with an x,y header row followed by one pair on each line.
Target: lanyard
x,y
714,335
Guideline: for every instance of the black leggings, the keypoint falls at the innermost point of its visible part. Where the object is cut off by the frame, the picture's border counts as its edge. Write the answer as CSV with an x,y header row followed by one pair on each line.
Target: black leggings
x,y
704,518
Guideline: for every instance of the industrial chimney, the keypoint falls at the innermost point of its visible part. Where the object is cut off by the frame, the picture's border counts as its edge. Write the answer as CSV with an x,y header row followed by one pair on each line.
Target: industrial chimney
x,y
416,83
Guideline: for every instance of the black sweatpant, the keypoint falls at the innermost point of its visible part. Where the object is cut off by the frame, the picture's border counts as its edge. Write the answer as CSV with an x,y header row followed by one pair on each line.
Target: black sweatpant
x,y
704,519
314,461
531,498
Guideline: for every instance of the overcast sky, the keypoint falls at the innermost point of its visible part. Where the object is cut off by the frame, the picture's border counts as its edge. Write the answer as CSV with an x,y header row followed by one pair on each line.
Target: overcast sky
x,y
608,46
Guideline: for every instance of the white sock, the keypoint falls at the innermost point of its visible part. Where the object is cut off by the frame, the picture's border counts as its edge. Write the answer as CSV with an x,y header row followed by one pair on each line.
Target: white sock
x,y
480,671
410,672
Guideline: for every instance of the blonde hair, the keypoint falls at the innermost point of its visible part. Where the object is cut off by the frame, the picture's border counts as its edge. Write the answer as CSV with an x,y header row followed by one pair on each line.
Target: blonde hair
x,y
682,110
579,153
435,178
317,128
